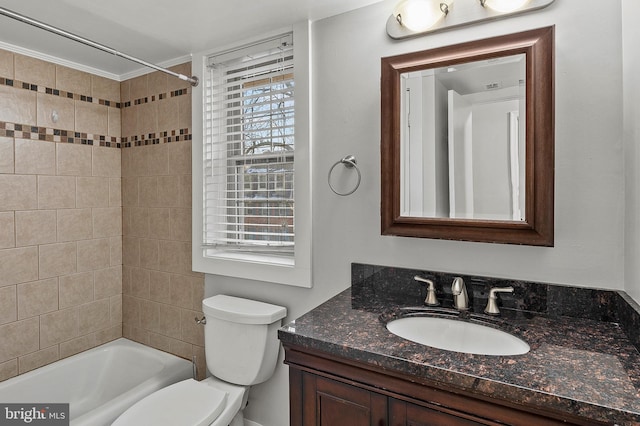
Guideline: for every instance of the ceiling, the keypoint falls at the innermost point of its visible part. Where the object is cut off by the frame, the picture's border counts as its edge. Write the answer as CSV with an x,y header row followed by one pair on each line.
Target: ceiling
x,y
157,31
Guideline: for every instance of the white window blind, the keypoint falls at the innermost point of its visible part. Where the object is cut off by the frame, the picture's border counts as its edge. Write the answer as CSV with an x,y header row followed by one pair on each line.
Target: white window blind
x,y
249,150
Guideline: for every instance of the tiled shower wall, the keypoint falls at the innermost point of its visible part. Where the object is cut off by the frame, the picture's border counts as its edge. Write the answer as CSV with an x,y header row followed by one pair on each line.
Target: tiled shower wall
x,y
76,199
60,212
161,295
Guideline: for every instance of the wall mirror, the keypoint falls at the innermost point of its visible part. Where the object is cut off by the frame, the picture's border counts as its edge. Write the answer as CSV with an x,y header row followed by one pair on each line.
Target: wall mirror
x,y
468,141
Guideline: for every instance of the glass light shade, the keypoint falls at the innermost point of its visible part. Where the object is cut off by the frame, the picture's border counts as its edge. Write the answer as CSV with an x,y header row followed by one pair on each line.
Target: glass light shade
x,y
505,6
420,15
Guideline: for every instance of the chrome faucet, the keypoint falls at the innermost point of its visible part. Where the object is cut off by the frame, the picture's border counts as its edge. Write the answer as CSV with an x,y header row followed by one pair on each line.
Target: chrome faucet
x,y
460,297
431,299
492,303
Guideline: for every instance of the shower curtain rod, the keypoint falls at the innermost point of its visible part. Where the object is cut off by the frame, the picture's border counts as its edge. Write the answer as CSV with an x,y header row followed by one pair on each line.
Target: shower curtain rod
x,y
25,19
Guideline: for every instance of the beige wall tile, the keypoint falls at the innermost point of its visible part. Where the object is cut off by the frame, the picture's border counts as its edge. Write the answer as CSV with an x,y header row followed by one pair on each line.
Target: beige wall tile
x,y
94,316
57,259
55,112
18,338
160,224
8,304
125,91
37,298
74,225
6,153
201,362
181,224
169,321
10,368
184,112
139,222
35,71
149,254
185,191
18,265
105,88
106,162
191,331
38,359
129,122
76,289
126,162
35,157
154,159
107,222
107,282
131,251
7,230
108,334
168,191
147,120
181,349
58,327
17,192
73,159
157,83
115,307
180,158
139,87
73,81
92,118
148,191
160,342
115,192
93,254
130,311
197,283
129,191
168,116
115,244
181,291
35,227
92,192
114,125
140,283
160,287
56,192
77,345
149,315
6,70
175,257
17,106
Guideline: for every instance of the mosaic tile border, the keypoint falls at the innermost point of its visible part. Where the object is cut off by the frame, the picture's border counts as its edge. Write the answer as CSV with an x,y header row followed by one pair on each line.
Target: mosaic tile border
x,y
17,84
153,98
46,134
157,138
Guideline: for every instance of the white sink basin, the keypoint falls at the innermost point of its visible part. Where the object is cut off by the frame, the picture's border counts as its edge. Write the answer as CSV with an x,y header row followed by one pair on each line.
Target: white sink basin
x,y
457,336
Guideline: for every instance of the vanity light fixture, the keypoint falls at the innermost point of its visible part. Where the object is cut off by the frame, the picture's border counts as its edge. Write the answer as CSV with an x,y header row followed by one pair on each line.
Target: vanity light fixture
x,y
420,15
412,18
503,6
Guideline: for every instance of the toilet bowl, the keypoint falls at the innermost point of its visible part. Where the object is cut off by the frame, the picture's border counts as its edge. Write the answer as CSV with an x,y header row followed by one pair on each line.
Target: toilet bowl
x,y
241,349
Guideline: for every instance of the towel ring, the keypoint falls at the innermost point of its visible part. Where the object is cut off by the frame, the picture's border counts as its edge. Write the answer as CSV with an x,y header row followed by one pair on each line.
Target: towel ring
x,y
349,162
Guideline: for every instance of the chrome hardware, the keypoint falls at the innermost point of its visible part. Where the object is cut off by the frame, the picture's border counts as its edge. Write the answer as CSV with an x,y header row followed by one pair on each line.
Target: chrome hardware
x,y
431,299
460,297
350,163
492,303
202,320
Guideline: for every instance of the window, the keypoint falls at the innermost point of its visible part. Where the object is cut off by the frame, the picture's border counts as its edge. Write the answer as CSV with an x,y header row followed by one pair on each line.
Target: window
x,y
251,159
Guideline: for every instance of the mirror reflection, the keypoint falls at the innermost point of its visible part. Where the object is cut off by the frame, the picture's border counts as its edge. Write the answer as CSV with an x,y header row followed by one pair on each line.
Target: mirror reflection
x,y
463,133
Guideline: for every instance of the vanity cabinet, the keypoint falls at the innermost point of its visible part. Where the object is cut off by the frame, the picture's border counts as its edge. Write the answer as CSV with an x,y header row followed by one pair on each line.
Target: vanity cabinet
x,y
326,390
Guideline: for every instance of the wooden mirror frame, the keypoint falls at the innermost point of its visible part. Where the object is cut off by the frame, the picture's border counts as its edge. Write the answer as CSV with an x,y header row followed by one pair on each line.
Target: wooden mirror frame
x,y
537,228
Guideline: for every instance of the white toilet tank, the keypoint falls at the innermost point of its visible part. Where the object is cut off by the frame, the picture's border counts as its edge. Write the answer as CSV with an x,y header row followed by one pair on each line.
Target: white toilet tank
x,y
240,338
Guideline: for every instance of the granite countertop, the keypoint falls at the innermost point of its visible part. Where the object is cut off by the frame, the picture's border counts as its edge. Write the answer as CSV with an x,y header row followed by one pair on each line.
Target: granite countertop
x,y
579,366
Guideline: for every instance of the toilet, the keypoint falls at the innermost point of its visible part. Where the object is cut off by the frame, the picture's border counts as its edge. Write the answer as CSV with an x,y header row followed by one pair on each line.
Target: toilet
x,y
241,349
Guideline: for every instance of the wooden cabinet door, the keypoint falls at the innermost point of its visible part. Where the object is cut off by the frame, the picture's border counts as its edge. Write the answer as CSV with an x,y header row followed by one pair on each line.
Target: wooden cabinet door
x,y
332,403
403,413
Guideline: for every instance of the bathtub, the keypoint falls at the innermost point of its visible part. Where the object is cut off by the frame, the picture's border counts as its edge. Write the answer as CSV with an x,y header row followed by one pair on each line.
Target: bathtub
x,y
98,384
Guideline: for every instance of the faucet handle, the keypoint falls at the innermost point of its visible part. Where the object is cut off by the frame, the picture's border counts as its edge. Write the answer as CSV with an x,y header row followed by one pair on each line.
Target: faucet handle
x,y
492,303
431,299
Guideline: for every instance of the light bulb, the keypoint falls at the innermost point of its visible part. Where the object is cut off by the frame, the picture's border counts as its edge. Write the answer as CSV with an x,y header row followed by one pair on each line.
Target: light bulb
x,y
420,15
505,6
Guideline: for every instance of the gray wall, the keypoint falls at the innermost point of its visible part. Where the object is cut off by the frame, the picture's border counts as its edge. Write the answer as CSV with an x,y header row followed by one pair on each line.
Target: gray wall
x,y
590,180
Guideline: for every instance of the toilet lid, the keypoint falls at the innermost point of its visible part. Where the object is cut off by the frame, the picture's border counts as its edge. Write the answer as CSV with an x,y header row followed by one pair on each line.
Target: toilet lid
x,y
186,403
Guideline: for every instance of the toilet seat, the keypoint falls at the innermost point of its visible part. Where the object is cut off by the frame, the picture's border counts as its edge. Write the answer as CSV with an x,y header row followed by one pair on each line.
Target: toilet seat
x,y
186,403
